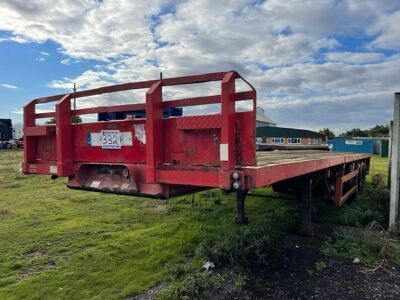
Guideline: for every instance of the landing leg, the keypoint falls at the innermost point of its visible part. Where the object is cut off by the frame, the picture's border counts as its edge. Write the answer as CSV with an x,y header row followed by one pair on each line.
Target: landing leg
x,y
306,198
240,197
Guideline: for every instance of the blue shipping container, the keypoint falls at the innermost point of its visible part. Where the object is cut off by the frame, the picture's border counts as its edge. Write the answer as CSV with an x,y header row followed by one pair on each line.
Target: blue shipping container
x,y
353,145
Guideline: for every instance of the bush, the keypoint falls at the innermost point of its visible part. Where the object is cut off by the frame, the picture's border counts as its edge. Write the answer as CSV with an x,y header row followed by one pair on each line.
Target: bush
x,y
370,245
240,281
370,205
195,285
240,245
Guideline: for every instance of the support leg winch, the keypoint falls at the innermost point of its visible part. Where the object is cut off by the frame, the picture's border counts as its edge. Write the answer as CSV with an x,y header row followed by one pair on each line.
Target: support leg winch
x,y
240,214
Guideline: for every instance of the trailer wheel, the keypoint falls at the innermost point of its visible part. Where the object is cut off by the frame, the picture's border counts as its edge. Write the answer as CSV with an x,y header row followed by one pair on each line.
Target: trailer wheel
x,y
8,146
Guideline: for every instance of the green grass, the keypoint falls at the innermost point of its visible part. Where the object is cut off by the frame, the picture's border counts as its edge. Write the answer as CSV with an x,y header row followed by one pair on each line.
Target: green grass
x,y
370,245
362,223
379,165
371,205
57,243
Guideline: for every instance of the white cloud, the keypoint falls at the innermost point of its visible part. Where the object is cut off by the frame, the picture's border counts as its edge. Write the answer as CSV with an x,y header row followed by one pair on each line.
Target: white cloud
x,y
339,112
38,110
40,59
387,30
354,57
84,29
16,38
45,53
295,52
66,61
8,86
331,78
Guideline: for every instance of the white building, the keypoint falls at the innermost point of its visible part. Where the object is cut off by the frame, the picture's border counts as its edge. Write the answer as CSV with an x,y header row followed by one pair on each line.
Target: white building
x,y
262,119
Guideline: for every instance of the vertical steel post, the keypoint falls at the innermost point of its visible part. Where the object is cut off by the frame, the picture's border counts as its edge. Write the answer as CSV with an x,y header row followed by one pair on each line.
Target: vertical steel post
x,y
395,169
154,131
29,141
240,211
390,153
306,199
64,142
339,185
227,145
74,116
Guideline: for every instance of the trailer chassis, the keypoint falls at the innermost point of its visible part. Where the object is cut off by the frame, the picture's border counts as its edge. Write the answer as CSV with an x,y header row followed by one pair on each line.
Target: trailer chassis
x,y
162,157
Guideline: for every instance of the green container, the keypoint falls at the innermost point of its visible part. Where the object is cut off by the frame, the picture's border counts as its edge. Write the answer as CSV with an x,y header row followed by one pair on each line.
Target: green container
x,y
384,148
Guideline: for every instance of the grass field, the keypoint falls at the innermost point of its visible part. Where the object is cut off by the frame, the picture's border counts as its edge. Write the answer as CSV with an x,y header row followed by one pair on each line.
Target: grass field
x,y
379,165
57,243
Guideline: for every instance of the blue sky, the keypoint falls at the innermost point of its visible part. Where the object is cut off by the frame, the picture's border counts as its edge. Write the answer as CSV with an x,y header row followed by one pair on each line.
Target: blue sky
x,y
315,64
30,67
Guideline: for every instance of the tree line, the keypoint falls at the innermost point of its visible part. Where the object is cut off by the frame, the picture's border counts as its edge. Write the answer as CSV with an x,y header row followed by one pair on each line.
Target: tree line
x,y
376,131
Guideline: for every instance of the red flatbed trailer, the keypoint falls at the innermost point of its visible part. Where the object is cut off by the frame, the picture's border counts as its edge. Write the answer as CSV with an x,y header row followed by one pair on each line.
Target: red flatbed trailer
x,y
161,157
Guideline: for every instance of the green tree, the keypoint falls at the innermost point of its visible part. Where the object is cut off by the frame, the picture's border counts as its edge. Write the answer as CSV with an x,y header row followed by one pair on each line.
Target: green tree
x,y
76,119
328,134
379,131
51,121
355,132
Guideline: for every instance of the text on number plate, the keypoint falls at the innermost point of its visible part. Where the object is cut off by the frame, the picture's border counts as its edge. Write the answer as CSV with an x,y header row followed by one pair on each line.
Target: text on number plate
x,y
111,139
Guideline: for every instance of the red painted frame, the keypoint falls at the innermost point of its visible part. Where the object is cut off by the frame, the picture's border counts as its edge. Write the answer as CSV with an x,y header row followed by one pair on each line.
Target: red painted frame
x,y
192,141
216,150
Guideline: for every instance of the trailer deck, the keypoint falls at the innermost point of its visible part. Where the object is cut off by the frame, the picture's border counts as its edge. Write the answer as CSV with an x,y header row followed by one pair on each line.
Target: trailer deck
x,y
276,166
289,156
156,156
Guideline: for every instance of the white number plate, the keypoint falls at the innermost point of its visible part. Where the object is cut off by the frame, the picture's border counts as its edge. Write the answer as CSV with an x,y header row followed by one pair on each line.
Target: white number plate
x,y
111,139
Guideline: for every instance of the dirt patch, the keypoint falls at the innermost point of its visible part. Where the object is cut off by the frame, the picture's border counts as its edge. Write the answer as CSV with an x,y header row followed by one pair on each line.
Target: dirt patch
x,y
155,206
298,270
35,271
39,268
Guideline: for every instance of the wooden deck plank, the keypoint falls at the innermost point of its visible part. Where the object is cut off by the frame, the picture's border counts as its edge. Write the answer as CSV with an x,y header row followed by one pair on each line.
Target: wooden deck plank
x,y
279,157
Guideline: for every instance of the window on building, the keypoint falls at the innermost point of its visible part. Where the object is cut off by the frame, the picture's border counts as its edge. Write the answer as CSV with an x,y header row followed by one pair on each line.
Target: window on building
x,y
277,140
259,140
313,141
294,141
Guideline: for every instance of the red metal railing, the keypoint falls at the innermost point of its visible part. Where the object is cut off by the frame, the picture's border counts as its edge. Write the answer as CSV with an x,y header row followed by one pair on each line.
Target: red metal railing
x,y
153,106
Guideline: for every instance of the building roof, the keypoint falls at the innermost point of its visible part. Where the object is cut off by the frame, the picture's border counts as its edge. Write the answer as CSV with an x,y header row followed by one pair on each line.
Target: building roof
x,y
262,117
268,131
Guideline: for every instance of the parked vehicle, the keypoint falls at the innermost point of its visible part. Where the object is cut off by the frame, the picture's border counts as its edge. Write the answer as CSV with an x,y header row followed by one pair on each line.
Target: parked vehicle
x,y
8,144
6,132
8,139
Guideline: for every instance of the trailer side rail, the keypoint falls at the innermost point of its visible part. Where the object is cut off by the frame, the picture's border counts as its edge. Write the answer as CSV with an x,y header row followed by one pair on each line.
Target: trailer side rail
x,y
63,159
